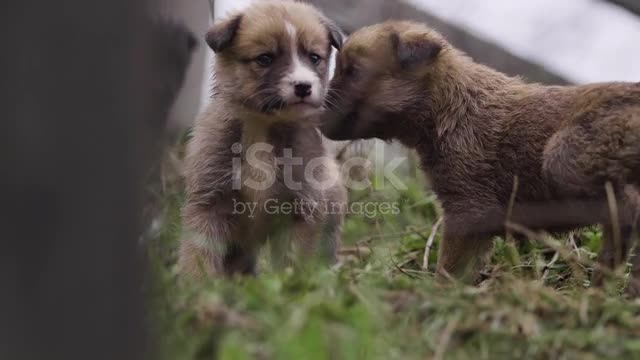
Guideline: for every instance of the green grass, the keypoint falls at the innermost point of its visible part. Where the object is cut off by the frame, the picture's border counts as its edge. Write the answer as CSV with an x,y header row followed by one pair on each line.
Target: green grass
x,y
380,304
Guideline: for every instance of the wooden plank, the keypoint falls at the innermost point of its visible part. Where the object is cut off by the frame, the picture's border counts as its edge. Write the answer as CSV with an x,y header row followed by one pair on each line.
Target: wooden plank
x,y
353,14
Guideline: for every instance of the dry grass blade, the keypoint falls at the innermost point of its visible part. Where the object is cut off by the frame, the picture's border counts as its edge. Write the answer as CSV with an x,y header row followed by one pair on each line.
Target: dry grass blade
x,y
427,248
512,202
215,314
357,250
392,235
566,254
547,267
574,245
445,338
399,268
615,223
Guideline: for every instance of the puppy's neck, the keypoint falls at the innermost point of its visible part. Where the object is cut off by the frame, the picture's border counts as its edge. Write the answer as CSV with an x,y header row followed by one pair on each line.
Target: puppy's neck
x,y
264,130
464,105
254,132
465,94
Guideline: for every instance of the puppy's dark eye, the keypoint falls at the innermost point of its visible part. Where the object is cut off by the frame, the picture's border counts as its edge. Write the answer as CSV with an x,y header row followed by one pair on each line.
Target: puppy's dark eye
x,y
315,58
264,60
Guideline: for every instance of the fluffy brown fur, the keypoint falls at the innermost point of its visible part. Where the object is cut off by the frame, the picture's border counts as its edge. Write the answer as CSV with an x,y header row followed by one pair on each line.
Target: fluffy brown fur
x,y
476,130
249,108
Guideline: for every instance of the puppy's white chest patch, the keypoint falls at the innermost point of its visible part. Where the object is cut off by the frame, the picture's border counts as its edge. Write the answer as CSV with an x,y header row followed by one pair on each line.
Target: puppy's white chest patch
x,y
258,177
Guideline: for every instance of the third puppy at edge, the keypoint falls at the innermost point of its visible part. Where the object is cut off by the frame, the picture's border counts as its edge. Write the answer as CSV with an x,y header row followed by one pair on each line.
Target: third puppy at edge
x,y
477,130
256,167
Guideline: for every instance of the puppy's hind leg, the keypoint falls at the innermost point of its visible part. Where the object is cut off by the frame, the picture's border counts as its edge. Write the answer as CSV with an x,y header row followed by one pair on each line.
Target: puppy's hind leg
x,y
319,238
209,248
331,230
305,238
561,167
240,259
580,159
461,253
633,288
617,240
330,237
317,242
280,246
196,260
611,253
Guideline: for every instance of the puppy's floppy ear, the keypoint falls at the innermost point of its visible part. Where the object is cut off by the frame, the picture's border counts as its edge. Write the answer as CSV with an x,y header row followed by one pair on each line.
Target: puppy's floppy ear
x,y
220,36
336,36
414,49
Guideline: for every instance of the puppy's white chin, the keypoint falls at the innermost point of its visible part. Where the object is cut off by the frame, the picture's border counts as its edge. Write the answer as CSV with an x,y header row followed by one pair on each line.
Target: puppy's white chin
x,y
303,107
299,111
295,113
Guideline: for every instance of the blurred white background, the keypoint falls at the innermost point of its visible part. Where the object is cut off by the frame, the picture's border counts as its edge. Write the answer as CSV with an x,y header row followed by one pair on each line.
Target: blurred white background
x,y
581,40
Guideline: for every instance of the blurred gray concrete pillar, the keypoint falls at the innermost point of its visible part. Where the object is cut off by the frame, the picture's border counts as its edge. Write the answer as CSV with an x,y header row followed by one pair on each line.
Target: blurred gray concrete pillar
x,y
72,139
85,84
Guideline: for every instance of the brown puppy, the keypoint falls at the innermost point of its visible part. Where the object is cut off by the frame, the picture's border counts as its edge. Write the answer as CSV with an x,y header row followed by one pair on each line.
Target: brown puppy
x,y
256,168
477,130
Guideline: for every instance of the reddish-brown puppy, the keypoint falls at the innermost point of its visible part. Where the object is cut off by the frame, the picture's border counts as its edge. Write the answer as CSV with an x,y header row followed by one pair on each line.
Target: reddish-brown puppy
x,y
476,130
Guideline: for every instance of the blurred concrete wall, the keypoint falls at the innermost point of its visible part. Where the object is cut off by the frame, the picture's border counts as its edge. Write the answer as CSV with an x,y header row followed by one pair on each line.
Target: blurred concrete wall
x,y
354,14
631,5
195,15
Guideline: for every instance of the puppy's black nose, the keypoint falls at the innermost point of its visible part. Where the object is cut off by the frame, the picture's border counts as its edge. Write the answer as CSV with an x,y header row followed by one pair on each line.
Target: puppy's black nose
x,y
302,90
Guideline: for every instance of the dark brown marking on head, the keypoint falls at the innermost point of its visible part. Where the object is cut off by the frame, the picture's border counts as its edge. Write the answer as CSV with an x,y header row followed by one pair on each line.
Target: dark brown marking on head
x,y
222,34
416,50
336,37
